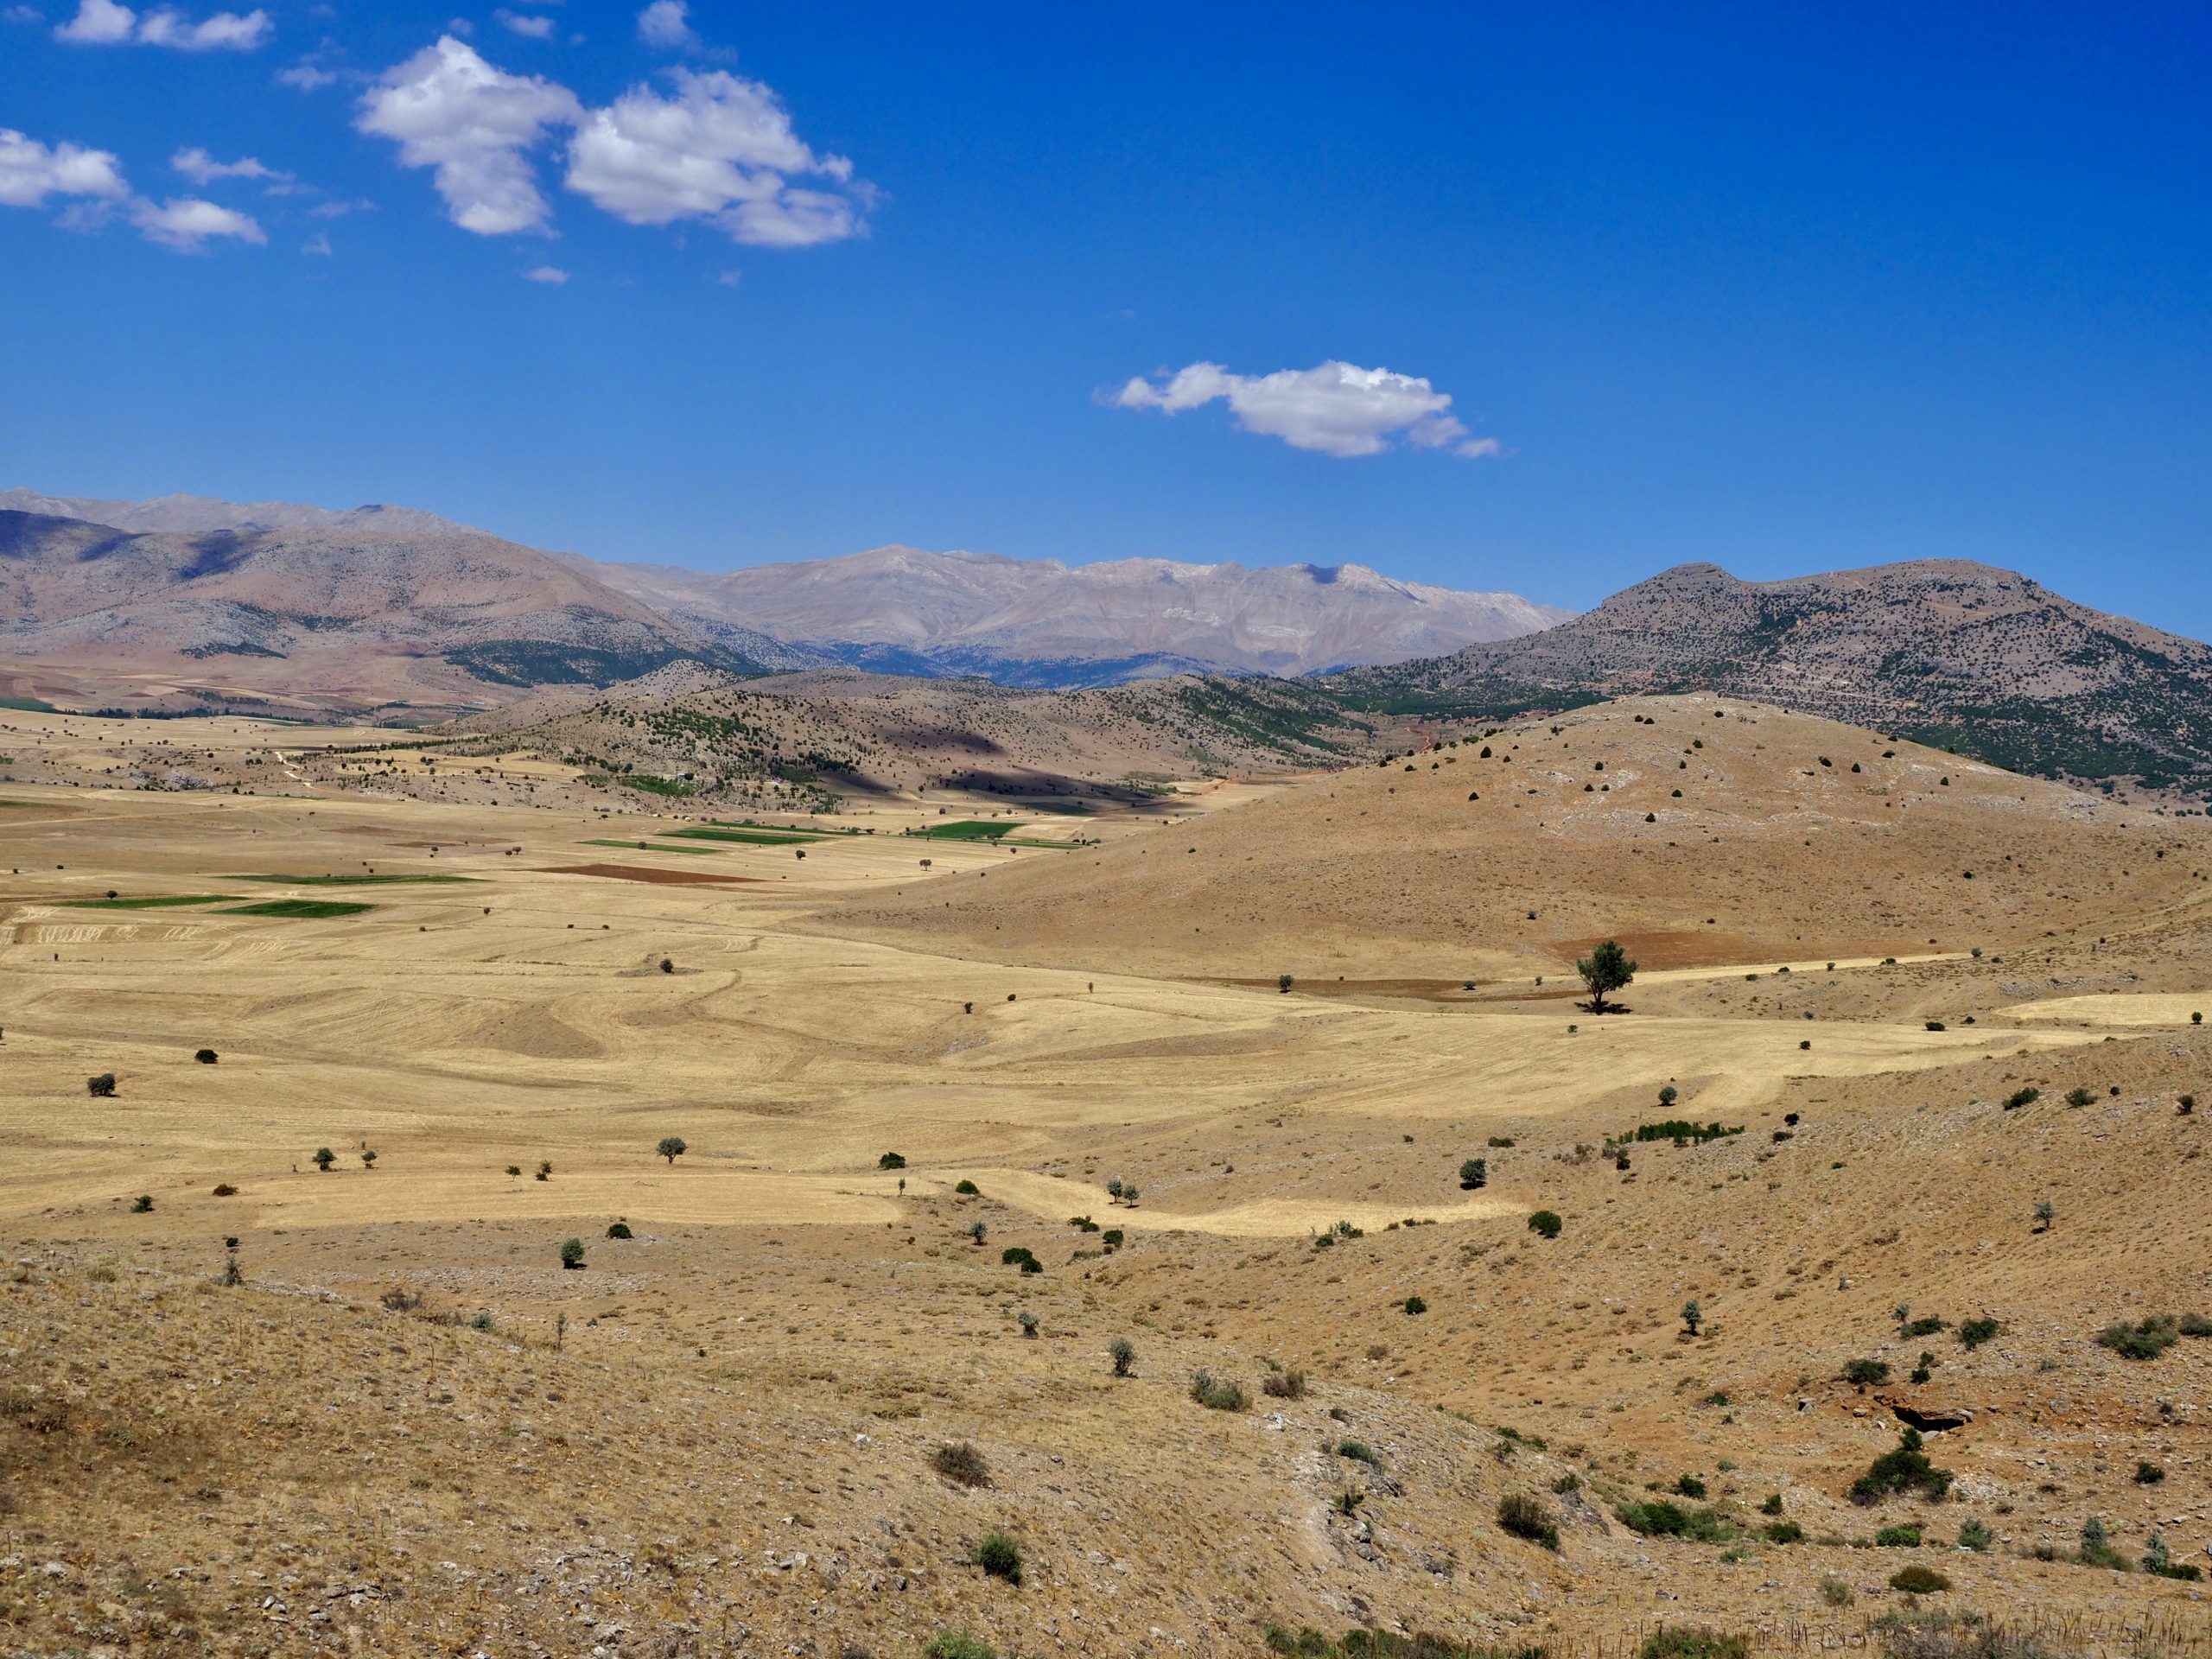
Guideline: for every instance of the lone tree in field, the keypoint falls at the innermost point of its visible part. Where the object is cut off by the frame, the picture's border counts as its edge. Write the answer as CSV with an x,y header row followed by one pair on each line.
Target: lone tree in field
x,y
572,1253
1693,1317
1605,970
102,1087
1473,1174
672,1148
324,1158
1124,1353
368,1157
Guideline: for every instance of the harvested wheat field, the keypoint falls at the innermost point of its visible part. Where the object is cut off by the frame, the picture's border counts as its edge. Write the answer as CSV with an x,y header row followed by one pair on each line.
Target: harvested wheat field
x,y
1944,1018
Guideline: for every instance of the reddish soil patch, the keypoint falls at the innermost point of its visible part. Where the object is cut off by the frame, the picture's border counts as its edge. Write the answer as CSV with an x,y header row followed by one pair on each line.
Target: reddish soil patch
x,y
656,878
1679,948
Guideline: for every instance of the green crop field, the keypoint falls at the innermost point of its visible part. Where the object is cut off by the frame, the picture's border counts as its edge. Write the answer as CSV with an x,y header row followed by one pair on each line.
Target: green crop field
x,y
751,837
299,909
967,829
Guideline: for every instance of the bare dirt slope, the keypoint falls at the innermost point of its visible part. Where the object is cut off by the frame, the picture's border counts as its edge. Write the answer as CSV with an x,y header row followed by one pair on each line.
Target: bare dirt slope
x,y
717,1437
1696,829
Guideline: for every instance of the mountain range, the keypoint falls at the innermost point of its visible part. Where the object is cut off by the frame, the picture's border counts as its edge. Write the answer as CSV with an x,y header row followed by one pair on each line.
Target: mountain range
x,y
185,601
1949,653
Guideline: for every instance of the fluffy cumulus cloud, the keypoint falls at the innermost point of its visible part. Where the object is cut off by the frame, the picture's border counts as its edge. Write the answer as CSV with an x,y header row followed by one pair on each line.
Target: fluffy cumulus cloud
x,y
31,172
667,24
449,109
720,149
107,22
714,148
90,187
187,223
552,276
1337,409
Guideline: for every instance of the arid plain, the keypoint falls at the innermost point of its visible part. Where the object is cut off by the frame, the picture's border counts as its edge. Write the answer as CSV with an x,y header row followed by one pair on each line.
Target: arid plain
x,y
406,1428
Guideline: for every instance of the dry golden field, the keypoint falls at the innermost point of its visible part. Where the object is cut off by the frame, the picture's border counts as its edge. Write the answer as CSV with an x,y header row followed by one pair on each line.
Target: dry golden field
x,y
407,1429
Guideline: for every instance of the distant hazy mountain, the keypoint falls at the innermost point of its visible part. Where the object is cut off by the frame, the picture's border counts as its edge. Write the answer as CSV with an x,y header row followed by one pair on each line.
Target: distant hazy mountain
x,y
1040,622
356,612
191,515
1945,651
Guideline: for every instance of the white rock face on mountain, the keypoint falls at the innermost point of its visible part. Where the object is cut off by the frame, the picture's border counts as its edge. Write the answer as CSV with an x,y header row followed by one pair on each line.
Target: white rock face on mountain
x,y
1143,615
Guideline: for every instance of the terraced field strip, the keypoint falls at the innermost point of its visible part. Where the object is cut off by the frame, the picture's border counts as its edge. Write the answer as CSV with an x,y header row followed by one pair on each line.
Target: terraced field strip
x,y
650,847
362,881
298,909
160,902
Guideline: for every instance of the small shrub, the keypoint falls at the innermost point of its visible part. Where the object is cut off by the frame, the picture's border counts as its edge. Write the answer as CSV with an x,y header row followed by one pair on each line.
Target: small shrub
x,y
1784,1532
1414,1304
1569,1482
482,1322
1288,1383
142,1204
1927,1326
2158,1559
619,1229
968,1189
1904,1536
1525,1516
1689,1486
102,1087
2195,1324
1497,1141
225,1189
1473,1174
1681,1642
2022,1096
1866,1373
2096,1547
1360,1452
1217,1394
324,1158
1973,1333
2079,1096
1124,1353
1906,1469
572,1253
671,1146
1027,1321
891,1161
958,1644
1015,1253
1111,1238
2148,1474
205,1055
960,1463
1773,1504
1658,1518
1835,1591
1918,1581
2146,1339
1976,1537
1000,1557
1545,1222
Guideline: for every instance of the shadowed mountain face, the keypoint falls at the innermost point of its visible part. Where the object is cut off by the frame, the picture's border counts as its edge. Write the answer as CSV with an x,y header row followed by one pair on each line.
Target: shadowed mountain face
x,y
1040,622
345,614
1948,651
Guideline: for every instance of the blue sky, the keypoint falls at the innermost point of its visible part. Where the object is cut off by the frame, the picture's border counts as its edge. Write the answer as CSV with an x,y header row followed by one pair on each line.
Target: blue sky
x,y
1785,288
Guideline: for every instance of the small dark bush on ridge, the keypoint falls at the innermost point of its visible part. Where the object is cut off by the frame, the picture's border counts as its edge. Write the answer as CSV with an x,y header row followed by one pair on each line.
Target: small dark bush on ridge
x,y
1217,1394
1525,1516
960,1463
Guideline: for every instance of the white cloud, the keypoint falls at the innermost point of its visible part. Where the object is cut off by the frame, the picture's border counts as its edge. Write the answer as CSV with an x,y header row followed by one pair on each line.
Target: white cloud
x,y
535,28
106,23
1337,409
317,244
30,172
719,150
666,24
22,15
730,278
186,224
451,111
98,22
550,274
202,168
306,77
